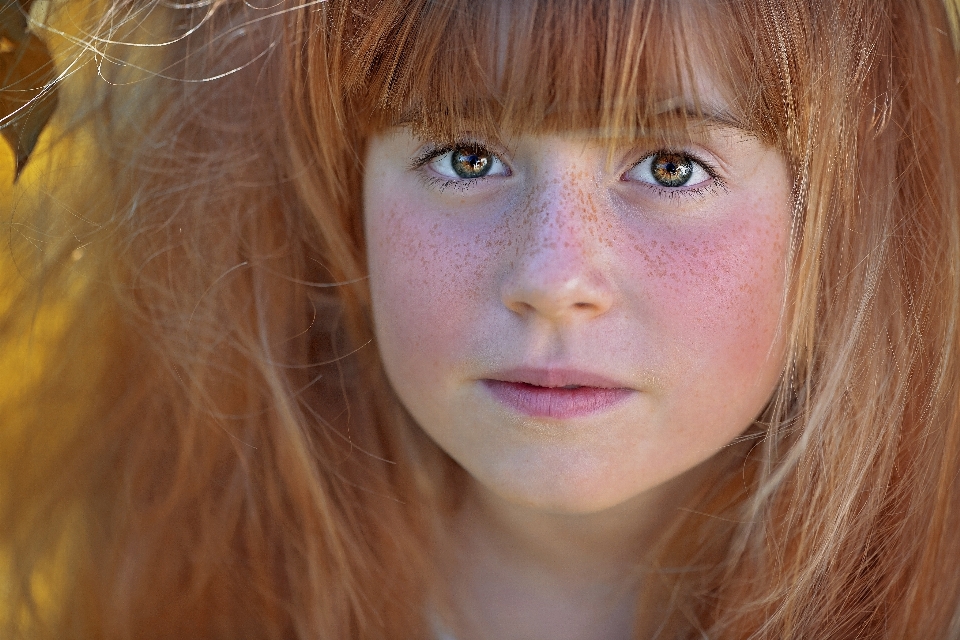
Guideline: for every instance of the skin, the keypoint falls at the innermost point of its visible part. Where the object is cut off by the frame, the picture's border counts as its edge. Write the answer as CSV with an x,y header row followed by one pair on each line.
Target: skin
x,y
570,257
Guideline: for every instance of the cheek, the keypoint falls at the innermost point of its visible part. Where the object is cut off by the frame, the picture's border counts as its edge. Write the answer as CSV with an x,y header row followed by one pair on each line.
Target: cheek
x,y
714,298
426,281
731,279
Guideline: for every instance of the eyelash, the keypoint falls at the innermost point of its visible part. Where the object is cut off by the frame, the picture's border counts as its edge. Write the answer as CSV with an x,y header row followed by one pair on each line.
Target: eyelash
x,y
442,184
677,193
436,182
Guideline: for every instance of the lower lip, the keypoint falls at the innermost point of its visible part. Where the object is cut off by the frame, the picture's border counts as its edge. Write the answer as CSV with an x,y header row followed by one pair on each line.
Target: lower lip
x,y
555,402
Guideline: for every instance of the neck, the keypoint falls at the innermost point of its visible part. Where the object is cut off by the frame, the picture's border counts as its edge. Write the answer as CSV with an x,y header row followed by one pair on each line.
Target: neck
x,y
519,572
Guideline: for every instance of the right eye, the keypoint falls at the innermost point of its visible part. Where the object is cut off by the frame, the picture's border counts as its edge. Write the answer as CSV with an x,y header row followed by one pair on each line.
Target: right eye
x,y
468,162
670,169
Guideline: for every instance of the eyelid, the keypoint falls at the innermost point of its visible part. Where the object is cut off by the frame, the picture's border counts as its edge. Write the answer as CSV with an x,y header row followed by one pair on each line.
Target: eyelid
x,y
429,153
709,168
433,150
439,180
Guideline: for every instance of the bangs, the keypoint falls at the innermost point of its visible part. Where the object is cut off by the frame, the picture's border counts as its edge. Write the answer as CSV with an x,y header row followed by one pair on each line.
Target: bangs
x,y
616,68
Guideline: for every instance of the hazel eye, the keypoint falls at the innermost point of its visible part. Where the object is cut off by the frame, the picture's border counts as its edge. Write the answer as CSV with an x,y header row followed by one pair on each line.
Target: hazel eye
x,y
467,162
669,169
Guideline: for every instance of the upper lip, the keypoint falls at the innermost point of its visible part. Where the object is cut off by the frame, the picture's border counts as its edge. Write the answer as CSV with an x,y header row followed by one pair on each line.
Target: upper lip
x,y
556,377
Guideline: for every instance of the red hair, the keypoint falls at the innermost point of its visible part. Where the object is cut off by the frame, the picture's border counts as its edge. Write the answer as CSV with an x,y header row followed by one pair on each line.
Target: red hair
x,y
212,449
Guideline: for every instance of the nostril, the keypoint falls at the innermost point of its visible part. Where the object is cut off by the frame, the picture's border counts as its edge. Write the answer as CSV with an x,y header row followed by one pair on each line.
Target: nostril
x,y
520,307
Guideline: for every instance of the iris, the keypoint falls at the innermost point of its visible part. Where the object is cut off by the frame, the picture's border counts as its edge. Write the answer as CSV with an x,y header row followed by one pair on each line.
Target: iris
x,y
671,169
471,162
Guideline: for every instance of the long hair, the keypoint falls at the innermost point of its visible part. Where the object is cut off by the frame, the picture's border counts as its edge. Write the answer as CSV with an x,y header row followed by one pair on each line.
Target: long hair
x,y
200,441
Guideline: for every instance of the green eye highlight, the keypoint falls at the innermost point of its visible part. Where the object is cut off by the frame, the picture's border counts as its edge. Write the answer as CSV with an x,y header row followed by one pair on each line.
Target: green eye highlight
x,y
471,161
671,169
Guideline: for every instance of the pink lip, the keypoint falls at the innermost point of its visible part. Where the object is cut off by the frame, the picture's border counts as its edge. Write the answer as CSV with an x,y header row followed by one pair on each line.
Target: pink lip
x,y
556,393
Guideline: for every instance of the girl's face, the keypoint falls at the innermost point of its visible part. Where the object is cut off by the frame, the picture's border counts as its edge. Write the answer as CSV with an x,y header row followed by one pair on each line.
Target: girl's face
x,y
573,327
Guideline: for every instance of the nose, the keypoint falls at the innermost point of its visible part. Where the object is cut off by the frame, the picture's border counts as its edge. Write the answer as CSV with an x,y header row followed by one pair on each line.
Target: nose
x,y
559,272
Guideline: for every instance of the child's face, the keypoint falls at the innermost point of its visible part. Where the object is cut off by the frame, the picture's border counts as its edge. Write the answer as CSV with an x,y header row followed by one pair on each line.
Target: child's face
x,y
574,329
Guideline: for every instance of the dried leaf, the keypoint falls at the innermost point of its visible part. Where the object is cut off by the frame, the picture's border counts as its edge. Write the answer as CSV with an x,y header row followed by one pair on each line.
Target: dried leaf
x,y
27,93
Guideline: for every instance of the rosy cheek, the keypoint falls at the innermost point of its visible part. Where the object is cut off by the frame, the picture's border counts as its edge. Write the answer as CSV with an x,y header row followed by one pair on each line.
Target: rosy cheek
x,y
428,279
717,290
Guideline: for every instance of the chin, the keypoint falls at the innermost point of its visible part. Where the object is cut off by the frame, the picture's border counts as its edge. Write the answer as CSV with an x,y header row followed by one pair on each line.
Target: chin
x,y
565,494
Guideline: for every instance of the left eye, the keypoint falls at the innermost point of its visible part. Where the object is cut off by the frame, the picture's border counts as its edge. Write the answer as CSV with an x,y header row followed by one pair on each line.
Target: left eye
x,y
467,162
668,169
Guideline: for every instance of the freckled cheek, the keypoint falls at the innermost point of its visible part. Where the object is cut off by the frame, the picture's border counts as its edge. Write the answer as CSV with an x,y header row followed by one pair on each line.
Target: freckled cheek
x,y
717,292
427,282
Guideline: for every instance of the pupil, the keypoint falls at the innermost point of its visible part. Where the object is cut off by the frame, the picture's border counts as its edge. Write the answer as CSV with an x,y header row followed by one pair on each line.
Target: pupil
x,y
672,169
471,162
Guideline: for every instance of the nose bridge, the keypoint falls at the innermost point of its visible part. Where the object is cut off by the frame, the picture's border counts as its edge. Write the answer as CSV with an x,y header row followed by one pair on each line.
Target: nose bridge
x,y
561,216
558,272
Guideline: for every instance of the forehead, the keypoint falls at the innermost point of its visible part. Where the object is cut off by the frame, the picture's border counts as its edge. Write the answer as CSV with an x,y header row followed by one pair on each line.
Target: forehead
x,y
615,68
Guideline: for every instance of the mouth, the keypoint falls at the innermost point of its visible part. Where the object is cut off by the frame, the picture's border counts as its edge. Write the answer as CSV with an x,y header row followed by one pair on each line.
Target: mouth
x,y
556,393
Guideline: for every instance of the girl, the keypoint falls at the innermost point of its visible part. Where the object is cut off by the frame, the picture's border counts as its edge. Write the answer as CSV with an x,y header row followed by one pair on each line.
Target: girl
x,y
446,319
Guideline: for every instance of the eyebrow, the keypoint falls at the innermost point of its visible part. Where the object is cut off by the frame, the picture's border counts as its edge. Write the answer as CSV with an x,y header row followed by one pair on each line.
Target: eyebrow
x,y
707,113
